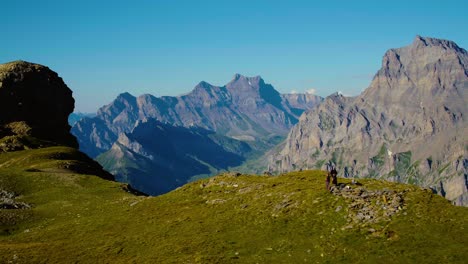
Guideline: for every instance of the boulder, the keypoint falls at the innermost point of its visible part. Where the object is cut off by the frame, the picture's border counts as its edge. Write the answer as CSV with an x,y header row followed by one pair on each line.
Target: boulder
x,y
34,102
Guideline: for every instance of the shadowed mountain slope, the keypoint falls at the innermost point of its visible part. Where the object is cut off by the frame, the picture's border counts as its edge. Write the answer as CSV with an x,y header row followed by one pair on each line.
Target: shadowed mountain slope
x,y
156,158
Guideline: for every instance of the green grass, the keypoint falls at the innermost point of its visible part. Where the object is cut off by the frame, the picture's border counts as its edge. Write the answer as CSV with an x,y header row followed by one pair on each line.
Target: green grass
x,y
403,163
379,161
319,164
247,219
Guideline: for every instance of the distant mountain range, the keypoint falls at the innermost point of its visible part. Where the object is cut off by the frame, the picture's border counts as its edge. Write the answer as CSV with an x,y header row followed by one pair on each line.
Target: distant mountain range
x,y
245,112
409,126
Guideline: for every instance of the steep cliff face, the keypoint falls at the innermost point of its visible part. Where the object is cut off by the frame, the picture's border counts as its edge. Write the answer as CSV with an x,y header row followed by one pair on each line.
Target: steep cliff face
x,y
246,109
34,102
410,124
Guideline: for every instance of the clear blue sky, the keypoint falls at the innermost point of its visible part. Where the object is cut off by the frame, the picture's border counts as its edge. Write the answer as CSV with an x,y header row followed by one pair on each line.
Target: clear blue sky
x,y
103,48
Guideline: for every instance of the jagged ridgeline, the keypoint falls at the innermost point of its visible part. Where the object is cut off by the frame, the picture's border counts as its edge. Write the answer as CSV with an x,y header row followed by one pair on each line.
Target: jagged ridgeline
x,y
59,206
210,129
409,126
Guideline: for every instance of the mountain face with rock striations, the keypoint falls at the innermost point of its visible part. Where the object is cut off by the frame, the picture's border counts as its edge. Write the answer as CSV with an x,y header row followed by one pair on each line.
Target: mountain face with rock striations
x,y
156,158
410,125
246,108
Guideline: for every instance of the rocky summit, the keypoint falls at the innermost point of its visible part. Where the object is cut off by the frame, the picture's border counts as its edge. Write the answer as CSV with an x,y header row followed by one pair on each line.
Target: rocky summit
x,y
34,102
409,126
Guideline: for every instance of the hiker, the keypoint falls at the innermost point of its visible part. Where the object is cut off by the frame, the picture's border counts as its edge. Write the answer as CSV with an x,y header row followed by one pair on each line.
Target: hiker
x,y
334,173
327,182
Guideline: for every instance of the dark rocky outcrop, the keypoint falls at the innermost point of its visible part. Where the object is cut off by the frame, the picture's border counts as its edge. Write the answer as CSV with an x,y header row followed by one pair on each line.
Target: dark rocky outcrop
x,y
34,102
34,107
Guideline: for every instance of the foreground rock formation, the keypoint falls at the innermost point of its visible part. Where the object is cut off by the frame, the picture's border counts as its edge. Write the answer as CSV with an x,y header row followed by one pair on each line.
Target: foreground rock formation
x,y
34,102
34,107
410,125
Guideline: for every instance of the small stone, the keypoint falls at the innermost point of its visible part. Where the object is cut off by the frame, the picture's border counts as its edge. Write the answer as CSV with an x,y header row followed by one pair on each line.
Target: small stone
x,y
338,208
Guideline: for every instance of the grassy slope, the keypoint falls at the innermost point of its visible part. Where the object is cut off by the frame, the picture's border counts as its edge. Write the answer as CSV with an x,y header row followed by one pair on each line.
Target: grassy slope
x,y
246,219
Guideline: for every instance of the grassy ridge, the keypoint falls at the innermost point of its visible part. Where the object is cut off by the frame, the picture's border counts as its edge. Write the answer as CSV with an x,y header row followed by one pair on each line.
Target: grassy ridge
x,y
226,219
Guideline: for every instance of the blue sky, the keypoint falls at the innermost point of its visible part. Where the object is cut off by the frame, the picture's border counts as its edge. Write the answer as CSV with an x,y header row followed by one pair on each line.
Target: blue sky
x,y
103,48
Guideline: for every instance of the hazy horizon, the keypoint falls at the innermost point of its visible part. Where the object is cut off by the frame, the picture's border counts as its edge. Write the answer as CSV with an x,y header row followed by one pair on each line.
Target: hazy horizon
x,y
166,48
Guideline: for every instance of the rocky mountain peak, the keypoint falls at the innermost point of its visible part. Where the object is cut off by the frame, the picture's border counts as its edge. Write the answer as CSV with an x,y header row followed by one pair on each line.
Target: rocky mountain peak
x,y
418,96
123,101
419,71
236,76
126,96
36,97
203,87
204,84
250,92
243,81
421,42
